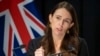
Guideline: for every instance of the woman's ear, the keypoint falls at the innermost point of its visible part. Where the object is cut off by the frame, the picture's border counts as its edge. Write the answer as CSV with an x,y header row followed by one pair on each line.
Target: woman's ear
x,y
72,24
50,18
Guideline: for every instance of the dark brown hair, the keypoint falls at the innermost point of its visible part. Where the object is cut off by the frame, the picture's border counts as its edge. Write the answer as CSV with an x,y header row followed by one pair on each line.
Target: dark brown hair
x,y
70,39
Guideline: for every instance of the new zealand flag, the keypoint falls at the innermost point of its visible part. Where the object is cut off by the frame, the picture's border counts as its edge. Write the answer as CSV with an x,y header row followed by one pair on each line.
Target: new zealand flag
x,y
19,22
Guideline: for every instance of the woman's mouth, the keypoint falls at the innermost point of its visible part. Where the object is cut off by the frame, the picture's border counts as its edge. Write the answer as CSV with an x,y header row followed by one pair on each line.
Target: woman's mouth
x,y
59,29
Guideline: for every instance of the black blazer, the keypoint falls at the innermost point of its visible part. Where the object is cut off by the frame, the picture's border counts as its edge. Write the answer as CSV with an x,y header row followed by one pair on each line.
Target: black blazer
x,y
35,44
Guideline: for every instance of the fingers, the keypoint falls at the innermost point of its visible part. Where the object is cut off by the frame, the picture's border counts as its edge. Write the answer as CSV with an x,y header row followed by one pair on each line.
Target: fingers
x,y
39,52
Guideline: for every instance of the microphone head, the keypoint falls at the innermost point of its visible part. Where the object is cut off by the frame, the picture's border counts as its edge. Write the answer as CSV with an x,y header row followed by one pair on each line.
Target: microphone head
x,y
22,46
71,48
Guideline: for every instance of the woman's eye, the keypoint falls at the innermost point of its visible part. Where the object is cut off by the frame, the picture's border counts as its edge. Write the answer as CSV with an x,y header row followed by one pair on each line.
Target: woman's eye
x,y
58,18
67,21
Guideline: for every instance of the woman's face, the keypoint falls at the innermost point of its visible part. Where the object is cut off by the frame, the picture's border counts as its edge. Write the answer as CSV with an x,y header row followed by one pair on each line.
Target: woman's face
x,y
60,21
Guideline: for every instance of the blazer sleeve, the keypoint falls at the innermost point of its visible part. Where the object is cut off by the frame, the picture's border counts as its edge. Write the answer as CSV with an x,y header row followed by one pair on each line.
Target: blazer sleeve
x,y
33,45
83,51
31,48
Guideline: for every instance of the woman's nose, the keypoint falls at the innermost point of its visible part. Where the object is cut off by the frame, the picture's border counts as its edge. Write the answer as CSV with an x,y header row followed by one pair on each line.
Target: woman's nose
x,y
61,23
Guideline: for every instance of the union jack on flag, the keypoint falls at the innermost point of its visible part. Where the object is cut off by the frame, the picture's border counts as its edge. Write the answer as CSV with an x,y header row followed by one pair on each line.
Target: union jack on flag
x,y
19,22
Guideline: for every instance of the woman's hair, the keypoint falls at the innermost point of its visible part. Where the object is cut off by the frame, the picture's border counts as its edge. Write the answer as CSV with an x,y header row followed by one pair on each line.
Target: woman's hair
x,y
70,40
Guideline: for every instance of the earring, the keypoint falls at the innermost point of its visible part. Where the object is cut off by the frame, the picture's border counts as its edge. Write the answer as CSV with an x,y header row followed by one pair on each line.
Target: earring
x,y
67,31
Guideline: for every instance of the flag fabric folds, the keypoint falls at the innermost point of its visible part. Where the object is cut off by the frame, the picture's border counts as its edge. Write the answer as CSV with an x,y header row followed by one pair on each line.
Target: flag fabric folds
x,y
19,22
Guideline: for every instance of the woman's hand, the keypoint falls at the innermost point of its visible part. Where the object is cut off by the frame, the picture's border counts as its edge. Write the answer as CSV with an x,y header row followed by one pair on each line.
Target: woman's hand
x,y
39,52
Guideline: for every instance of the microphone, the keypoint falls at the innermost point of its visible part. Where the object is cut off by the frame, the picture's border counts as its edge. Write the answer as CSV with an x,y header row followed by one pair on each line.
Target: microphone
x,y
56,54
19,47
70,48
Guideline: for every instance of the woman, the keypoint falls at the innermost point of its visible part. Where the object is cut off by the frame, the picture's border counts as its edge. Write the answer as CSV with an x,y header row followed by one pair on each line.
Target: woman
x,y
61,35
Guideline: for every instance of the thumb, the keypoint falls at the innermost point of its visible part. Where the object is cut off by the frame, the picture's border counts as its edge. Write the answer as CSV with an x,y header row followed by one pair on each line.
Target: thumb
x,y
41,48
